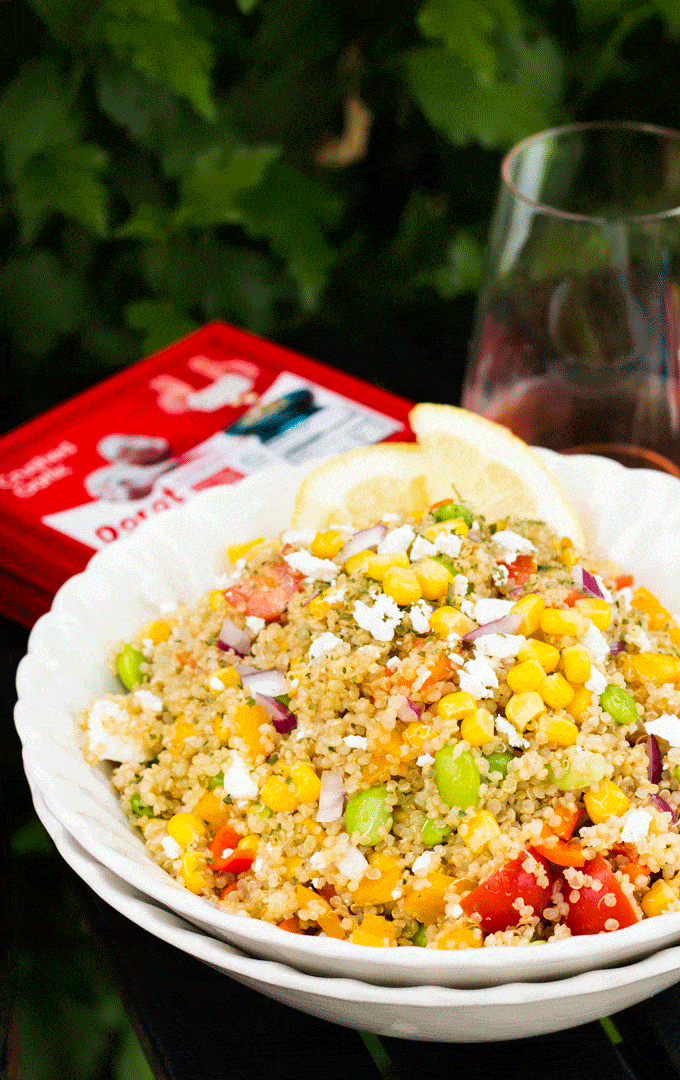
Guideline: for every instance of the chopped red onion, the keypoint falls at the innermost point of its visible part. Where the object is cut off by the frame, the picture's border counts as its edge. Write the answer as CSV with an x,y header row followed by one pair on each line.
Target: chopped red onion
x,y
233,637
587,582
331,797
410,711
312,597
362,540
617,647
507,624
280,715
474,536
270,683
662,805
655,764
517,591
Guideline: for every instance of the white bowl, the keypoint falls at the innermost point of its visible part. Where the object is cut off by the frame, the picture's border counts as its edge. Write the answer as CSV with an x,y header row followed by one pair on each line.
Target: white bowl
x,y
174,556
439,1014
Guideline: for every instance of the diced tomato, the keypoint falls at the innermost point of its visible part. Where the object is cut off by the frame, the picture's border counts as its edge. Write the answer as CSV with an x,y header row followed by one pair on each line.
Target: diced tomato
x,y
266,592
519,571
292,925
494,899
623,581
569,817
589,913
225,839
575,594
632,866
231,887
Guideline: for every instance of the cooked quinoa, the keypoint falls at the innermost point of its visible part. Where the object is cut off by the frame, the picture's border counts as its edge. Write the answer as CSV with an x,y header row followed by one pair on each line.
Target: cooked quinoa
x,y
395,777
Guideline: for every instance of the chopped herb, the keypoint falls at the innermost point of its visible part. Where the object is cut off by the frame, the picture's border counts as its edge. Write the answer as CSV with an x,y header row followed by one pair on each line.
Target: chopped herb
x,y
284,699
272,759
446,562
140,809
214,781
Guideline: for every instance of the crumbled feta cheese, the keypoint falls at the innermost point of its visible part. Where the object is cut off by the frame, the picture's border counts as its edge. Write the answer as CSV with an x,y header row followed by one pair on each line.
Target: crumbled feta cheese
x,y
396,893
597,683
387,518
167,606
596,645
424,760
606,595
381,619
625,597
312,568
237,780
506,728
666,727
215,684
147,646
358,742
424,863
460,585
352,864
393,663
148,701
500,575
255,624
420,616
325,643
333,596
488,610
500,646
422,548
636,636
298,536
513,543
397,540
455,657
453,911
478,678
635,826
448,544
109,739
468,608
171,847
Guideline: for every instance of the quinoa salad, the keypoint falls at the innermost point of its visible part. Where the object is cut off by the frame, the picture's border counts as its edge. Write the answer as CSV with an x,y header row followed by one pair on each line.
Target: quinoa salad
x,y
439,731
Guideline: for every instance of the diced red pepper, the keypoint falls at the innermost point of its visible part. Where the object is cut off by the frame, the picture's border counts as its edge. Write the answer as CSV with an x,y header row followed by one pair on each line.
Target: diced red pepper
x,y
589,913
495,898
575,594
231,887
292,925
241,860
521,569
623,581
561,853
225,839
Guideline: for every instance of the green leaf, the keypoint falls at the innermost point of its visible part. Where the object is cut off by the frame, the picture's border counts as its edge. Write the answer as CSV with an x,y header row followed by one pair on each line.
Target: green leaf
x,y
34,115
493,114
64,179
537,65
469,29
670,10
147,223
131,1063
246,6
210,194
159,321
39,303
31,839
157,39
462,270
63,16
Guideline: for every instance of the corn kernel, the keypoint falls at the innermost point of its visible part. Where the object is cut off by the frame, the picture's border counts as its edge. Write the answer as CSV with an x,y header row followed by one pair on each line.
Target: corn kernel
x,y
319,607
183,729
658,898
306,782
455,706
556,691
293,863
522,708
228,676
595,609
477,729
658,617
560,732
556,621
456,525
604,800
216,599
546,655
580,702
426,905
237,551
650,667
415,734
402,585
464,937
185,829
326,545
211,810
575,664
447,620
278,796
433,578
528,675
567,556
195,873
379,890
248,843
378,565
158,631
375,930
479,830
530,608
356,564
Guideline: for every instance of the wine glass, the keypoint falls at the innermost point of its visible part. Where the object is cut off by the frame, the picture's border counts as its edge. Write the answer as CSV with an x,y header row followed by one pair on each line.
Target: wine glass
x,y
576,338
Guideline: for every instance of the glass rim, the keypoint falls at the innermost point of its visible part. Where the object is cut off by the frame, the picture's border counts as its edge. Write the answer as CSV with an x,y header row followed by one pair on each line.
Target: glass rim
x,y
592,125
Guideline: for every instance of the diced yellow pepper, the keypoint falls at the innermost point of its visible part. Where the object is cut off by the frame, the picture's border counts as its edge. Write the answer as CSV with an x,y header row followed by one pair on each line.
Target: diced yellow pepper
x,y
211,810
556,691
228,676
195,873
567,555
555,621
477,729
658,617
547,655
530,608
522,708
658,899
379,890
560,732
357,564
248,720
306,783
455,706
426,905
415,734
528,675
326,545
375,930
158,631
331,925
183,729
185,829
293,863
278,796
378,565
448,620
650,667
604,800
216,599
237,551
575,663
402,585
433,578
384,760
479,830
580,702
306,896
598,611
465,937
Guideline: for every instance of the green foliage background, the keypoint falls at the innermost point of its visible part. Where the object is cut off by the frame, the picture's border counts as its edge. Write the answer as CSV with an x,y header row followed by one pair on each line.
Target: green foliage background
x,y
167,162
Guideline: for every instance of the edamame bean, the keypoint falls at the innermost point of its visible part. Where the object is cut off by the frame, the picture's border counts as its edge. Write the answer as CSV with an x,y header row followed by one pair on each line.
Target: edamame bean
x,y
368,814
677,773
420,936
433,832
128,666
619,704
214,781
457,777
449,510
499,761
593,769
139,809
